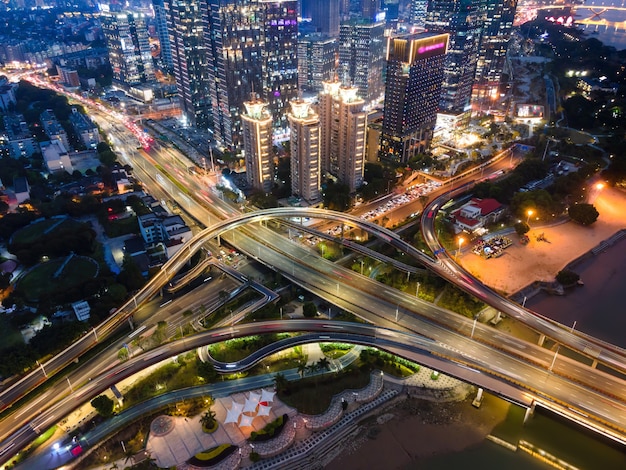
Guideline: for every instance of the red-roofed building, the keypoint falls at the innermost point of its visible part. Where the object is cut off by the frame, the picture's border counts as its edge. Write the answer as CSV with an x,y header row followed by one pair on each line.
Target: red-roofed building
x,y
476,214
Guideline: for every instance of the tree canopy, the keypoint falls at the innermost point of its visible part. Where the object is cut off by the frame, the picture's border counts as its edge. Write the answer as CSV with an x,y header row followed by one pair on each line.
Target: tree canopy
x,y
584,214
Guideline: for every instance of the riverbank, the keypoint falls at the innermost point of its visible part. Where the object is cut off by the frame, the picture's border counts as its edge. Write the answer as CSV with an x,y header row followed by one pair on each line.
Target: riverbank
x,y
410,431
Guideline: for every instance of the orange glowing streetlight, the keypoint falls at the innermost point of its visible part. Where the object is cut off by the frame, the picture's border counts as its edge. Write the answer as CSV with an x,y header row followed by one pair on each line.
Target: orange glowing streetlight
x,y
529,212
461,240
599,186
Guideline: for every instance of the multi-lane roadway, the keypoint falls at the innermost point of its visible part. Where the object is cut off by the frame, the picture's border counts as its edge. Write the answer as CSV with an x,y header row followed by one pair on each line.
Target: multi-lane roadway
x,y
334,283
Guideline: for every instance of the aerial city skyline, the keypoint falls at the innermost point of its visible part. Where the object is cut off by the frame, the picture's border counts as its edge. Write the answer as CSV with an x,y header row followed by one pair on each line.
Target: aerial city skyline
x,y
316,233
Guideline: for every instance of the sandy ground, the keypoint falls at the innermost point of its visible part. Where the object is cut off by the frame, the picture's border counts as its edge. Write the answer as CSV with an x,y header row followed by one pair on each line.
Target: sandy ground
x,y
541,260
413,430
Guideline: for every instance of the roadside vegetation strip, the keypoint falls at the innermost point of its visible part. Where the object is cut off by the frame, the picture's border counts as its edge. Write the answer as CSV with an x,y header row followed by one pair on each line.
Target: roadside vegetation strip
x,y
177,183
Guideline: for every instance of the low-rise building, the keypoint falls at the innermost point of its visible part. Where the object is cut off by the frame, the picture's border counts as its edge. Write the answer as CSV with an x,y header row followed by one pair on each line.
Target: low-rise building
x,y
476,214
17,137
170,231
53,128
85,128
56,157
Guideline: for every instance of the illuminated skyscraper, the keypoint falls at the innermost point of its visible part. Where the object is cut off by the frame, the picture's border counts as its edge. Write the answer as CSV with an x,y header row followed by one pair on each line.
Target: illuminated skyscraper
x,y
324,15
496,32
160,19
189,59
362,56
415,65
252,47
126,36
343,123
317,57
257,145
305,151
463,21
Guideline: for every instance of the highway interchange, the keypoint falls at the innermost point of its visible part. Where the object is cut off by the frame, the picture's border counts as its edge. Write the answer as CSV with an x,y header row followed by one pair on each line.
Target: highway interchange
x,y
513,365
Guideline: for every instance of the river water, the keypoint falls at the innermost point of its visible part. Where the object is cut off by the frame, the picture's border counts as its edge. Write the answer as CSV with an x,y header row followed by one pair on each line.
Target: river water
x,y
614,35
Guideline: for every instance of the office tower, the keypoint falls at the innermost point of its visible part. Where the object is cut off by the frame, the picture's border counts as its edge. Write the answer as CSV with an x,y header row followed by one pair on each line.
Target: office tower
x,y
362,57
257,145
370,9
252,47
324,15
392,14
342,136
126,36
344,9
280,57
497,27
189,60
160,19
462,20
417,15
304,127
415,67
317,59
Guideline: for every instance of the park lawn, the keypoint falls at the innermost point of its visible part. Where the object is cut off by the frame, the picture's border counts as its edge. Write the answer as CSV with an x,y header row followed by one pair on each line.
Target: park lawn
x,y
31,233
41,279
9,336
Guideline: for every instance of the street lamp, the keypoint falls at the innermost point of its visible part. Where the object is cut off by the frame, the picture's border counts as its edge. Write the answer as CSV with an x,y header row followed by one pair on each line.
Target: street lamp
x,y
461,240
529,212
417,289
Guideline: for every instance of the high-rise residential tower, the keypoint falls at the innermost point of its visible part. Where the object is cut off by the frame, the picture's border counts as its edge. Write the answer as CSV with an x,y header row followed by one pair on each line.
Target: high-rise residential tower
x,y
305,151
415,66
252,48
343,122
126,36
257,145
362,57
462,20
189,59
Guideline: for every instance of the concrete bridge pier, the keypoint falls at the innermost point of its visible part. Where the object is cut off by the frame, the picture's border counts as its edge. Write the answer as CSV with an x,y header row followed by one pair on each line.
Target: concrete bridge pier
x,y
542,338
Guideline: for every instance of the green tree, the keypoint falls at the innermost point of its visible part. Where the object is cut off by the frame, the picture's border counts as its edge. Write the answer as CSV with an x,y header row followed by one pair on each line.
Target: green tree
x,y
281,383
521,228
309,310
323,364
208,419
130,276
301,368
206,370
567,277
103,405
584,214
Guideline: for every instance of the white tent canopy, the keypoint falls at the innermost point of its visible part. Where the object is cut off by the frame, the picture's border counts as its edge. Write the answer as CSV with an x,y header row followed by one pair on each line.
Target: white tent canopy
x,y
246,421
266,396
232,415
251,402
250,406
264,410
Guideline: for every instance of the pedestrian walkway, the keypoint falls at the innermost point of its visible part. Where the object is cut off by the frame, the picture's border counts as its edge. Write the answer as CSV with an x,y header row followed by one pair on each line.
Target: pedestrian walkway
x,y
187,438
